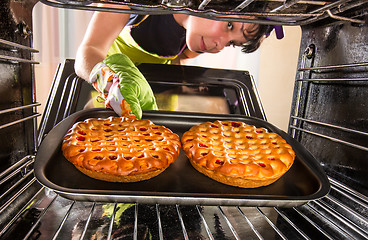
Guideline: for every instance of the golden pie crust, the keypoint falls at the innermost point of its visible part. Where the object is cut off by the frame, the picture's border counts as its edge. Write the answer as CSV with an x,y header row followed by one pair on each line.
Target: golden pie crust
x,y
120,149
237,154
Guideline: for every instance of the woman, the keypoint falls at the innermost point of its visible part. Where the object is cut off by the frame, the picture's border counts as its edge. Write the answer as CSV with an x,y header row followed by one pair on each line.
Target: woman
x,y
151,39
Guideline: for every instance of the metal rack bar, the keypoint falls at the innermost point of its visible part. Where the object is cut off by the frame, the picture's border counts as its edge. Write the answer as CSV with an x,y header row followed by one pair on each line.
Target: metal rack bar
x,y
19,108
281,235
16,45
314,224
330,6
15,172
343,18
205,223
351,198
135,232
182,222
72,94
88,221
12,188
51,100
250,223
112,222
300,18
159,224
331,79
354,196
228,223
333,67
312,207
243,5
258,98
203,4
287,4
330,125
291,223
15,166
16,195
343,218
347,189
20,120
63,221
39,219
331,138
309,51
335,214
25,206
17,60
63,99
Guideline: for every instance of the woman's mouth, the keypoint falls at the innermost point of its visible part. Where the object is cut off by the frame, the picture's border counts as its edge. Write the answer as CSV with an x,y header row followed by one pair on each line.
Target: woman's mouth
x,y
202,45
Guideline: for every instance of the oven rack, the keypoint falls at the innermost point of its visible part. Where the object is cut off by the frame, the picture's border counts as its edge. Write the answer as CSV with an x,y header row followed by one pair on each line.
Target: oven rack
x,y
27,208
276,12
339,215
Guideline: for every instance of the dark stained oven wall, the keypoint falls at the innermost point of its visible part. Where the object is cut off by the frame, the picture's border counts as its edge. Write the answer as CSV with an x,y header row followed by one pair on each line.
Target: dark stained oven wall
x,y
330,109
16,83
17,108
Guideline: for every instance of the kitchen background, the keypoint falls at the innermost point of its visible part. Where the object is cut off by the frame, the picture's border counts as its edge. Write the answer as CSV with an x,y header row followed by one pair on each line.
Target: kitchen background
x,y
273,65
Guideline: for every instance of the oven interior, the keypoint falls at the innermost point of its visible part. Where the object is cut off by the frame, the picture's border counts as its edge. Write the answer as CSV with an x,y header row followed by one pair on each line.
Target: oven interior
x,y
328,116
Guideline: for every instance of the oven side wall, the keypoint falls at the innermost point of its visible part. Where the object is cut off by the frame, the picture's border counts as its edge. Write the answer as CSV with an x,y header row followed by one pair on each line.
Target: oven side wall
x,y
17,107
329,113
17,99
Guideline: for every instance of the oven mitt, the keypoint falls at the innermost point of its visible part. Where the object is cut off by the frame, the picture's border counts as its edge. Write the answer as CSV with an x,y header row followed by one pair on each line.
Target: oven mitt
x,y
123,86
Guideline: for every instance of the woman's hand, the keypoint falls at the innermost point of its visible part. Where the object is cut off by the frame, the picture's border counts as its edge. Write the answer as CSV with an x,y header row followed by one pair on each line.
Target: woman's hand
x,y
123,86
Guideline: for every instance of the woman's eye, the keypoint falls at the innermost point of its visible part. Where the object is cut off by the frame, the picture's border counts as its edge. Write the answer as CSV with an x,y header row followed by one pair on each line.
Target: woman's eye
x,y
230,25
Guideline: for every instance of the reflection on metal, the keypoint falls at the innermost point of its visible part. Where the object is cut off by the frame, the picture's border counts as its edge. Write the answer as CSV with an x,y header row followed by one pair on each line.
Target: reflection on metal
x,y
334,67
331,79
21,164
16,45
332,138
19,108
20,120
17,60
88,221
331,126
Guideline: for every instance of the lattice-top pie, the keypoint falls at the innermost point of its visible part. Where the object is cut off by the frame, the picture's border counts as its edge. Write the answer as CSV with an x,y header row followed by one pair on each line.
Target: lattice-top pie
x,y
120,149
237,154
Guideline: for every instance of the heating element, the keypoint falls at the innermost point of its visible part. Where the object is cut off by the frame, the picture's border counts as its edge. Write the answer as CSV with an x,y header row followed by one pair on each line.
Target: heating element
x,y
273,12
328,116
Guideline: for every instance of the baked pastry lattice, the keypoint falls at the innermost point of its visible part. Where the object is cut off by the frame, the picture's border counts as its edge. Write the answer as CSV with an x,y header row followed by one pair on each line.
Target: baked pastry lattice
x,y
120,149
237,154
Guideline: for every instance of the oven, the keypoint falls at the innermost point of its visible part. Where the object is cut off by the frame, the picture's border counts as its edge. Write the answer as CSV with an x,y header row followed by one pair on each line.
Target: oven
x,y
328,117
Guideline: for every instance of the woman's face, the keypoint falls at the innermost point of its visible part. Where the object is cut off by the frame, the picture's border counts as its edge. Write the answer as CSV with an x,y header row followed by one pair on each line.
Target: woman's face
x,y
205,35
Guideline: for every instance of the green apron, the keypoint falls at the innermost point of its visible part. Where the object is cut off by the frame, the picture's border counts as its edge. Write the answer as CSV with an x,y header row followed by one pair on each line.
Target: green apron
x,y
126,44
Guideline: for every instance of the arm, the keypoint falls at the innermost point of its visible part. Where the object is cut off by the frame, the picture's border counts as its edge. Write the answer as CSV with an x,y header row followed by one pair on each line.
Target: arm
x,y
102,30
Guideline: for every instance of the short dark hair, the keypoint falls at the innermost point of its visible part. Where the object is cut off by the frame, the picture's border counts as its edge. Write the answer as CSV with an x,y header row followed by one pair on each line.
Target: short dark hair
x,y
253,44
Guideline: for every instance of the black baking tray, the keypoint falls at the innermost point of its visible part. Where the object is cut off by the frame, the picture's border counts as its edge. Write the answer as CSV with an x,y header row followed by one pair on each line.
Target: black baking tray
x,y
180,183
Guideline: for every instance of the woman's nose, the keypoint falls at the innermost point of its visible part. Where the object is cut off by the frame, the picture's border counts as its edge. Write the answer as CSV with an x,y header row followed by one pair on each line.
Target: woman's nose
x,y
220,43
223,41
